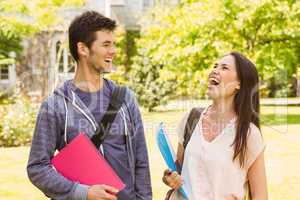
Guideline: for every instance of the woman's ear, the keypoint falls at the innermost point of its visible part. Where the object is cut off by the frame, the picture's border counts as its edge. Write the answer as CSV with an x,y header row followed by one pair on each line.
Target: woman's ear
x,y
238,86
82,49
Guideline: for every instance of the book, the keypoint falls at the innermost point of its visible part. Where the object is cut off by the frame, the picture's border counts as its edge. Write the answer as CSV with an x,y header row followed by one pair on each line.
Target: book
x,y
80,161
168,153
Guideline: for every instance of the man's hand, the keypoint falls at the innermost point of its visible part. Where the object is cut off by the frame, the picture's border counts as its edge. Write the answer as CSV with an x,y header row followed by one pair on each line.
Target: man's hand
x,y
172,179
102,192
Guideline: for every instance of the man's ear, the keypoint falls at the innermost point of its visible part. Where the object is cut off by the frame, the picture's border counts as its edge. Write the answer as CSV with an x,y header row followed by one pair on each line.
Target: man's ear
x,y
82,49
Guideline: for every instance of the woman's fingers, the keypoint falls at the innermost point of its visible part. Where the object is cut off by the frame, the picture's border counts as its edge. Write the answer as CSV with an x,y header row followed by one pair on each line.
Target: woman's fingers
x,y
178,185
174,180
232,197
167,172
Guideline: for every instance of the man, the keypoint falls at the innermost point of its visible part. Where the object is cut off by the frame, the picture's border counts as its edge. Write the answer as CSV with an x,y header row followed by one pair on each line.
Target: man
x,y
78,106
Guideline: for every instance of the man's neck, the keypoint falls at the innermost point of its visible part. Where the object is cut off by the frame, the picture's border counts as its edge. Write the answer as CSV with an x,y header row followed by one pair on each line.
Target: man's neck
x,y
86,79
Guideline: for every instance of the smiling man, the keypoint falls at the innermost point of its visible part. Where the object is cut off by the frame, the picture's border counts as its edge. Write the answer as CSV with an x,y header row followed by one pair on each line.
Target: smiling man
x,y
78,106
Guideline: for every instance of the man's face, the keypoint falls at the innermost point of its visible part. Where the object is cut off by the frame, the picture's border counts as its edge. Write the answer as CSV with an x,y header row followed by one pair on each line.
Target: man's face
x,y
102,52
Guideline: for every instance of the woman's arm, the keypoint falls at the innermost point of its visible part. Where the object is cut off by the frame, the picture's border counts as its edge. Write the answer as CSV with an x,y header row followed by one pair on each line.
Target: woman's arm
x,y
257,179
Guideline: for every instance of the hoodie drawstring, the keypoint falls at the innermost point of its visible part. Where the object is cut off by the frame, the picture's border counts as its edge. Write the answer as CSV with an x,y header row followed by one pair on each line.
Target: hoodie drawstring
x,y
76,106
66,122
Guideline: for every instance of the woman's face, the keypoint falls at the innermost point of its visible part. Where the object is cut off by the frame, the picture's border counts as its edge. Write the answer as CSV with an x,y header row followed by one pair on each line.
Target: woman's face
x,y
223,81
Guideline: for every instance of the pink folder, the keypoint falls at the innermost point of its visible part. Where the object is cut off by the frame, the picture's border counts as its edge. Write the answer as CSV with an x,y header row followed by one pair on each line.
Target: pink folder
x,y
80,161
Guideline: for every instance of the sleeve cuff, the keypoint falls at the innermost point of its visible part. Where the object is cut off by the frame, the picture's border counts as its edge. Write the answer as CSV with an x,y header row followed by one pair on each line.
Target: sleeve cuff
x,y
80,192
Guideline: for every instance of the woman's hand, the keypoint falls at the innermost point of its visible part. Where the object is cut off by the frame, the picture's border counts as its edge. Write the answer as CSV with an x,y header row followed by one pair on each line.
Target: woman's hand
x,y
172,179
232,197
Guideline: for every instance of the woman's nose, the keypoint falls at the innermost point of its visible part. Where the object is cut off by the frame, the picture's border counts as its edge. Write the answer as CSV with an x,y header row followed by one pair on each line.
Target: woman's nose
x,y
215,71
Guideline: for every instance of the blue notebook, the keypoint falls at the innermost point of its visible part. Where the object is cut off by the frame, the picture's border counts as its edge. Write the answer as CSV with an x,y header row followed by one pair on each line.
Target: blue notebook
x,y
168,153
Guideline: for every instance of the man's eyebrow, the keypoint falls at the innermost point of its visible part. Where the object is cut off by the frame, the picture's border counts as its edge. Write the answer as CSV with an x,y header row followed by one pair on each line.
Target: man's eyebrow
x,y
107,42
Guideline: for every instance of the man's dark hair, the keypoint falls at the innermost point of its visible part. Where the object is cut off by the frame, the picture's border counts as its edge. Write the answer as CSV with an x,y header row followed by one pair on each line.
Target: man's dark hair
x,y
83,28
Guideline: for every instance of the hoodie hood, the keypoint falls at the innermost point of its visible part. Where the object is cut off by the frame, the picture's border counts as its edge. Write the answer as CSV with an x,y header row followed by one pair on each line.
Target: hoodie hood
x,y
66,91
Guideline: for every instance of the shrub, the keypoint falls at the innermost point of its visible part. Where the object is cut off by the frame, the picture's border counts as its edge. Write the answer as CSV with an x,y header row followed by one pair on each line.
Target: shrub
x,y
17,122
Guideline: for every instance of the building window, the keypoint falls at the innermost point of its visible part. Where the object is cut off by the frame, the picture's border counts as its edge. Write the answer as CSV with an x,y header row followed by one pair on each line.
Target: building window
x,y
59,56
4,72
71,63
64,60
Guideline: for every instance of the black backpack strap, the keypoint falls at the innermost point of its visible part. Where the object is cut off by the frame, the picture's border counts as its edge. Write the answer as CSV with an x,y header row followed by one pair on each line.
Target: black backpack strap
x,y
116,101
190,125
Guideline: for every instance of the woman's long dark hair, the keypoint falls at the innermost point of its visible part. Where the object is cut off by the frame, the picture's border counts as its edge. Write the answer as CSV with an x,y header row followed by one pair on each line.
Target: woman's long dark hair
x,y
246,104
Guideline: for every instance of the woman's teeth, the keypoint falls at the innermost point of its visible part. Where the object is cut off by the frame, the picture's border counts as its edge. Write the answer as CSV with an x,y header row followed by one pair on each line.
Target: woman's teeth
x,y
214,81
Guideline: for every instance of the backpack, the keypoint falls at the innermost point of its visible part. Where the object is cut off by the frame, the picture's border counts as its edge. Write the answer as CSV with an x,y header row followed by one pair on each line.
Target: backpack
x,y
190,125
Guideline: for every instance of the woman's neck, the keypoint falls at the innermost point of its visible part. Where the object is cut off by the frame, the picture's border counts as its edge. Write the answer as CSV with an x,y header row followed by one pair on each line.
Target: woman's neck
x,y
223,109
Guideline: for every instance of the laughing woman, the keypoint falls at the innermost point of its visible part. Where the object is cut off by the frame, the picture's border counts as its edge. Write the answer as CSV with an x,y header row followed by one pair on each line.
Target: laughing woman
x,y
224,158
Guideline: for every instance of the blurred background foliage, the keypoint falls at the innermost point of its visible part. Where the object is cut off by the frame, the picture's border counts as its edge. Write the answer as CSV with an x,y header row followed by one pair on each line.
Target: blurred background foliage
x,y
20,19
17,116
171,55
184,42
173,52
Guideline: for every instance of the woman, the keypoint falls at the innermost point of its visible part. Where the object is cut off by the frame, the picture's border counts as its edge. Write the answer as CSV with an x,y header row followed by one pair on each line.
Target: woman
x,y
225,155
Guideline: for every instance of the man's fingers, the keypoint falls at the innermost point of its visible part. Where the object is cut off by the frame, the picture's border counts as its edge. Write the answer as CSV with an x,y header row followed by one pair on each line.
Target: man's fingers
x,y
110,189
110,196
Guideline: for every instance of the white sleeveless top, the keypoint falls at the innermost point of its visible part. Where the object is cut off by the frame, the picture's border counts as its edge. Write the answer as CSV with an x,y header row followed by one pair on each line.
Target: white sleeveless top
x,y
208,170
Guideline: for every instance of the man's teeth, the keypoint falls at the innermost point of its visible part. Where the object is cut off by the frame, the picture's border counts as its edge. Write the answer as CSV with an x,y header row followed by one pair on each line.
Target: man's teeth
x,y
108,60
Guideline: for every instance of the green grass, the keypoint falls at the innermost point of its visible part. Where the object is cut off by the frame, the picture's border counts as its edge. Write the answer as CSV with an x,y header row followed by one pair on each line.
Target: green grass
x,y
280,128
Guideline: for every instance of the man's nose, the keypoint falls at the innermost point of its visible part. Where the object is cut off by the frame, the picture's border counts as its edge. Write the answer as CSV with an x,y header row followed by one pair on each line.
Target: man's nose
x,y
113,51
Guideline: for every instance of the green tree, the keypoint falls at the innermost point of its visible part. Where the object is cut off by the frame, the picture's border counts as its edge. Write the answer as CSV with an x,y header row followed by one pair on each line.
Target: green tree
x,y
126,50
187,40
147,82
20,19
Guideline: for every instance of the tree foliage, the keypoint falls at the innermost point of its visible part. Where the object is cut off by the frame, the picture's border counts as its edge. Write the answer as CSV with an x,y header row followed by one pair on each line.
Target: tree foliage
x,y
21,18
186,40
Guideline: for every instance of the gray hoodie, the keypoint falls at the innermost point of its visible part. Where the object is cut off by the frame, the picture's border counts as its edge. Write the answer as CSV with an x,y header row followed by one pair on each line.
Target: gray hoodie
x,y
53,131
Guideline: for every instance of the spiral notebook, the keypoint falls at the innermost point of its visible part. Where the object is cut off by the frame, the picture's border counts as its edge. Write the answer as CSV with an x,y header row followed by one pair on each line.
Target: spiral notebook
x,y
80,161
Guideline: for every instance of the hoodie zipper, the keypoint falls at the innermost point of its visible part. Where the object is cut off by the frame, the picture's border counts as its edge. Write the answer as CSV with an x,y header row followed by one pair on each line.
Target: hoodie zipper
x,y
82,111
86,115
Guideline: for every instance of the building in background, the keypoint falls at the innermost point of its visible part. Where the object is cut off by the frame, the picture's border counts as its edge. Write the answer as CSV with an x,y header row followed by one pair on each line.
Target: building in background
x,y
46,60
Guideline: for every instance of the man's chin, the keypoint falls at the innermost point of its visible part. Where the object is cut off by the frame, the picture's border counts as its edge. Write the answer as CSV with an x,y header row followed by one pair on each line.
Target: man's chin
x,y
105,70
109,69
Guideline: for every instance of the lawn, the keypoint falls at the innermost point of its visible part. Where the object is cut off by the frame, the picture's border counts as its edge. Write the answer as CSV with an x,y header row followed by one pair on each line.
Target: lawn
x,y
280,128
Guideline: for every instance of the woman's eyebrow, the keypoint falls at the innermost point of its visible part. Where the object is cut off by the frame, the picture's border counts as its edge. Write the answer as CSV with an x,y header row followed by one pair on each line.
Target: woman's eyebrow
x,y
225,64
